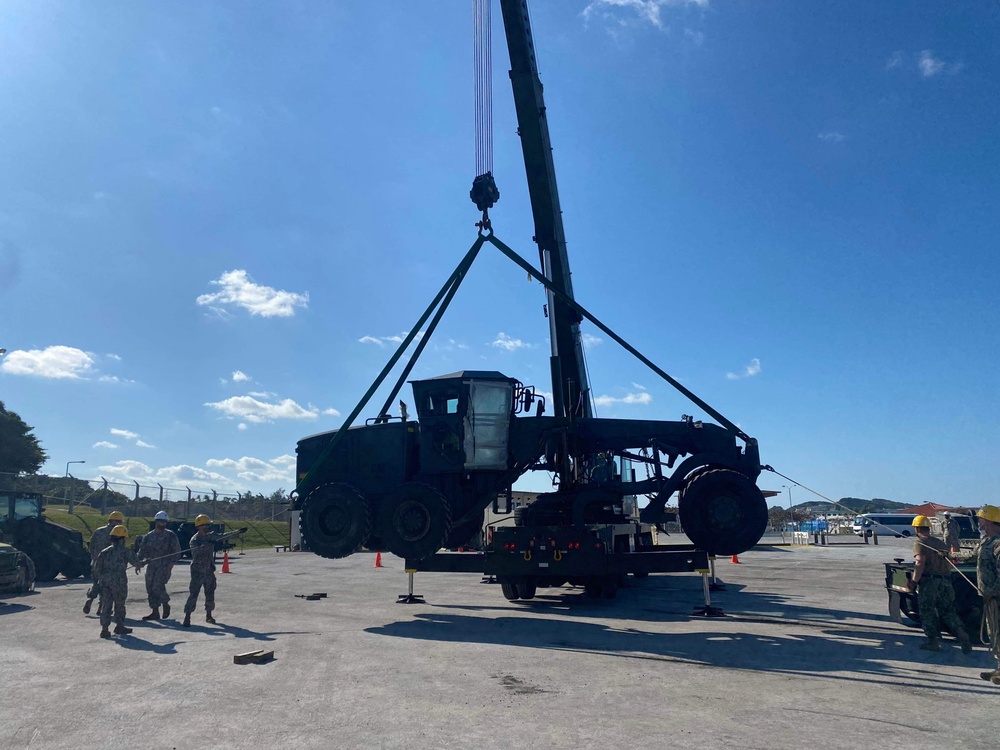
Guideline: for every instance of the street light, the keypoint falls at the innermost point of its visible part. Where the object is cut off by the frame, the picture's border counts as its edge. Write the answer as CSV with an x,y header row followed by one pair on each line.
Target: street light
x,y
72,462
791,515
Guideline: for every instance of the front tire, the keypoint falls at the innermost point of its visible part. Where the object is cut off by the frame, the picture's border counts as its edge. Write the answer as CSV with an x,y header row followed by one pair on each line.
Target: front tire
x,y
722,512
414,520
335,521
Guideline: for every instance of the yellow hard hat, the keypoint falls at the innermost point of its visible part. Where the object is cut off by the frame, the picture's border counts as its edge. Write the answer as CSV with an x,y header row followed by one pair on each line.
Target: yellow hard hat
x,y
990,513
921,521
119,531
116,515
201,520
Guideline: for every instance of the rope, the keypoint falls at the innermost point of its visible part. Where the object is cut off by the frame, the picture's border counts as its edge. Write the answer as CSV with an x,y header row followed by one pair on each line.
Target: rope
x,y
483,83
851,510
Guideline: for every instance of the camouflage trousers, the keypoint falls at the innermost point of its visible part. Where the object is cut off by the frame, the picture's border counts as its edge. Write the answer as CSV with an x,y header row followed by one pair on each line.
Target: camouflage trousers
x,y
198,581
991,614
156,584
936,599
113,596
95,588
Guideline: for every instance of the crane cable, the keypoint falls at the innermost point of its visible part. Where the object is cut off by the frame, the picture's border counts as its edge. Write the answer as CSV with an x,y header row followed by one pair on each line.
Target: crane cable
x,y
484,191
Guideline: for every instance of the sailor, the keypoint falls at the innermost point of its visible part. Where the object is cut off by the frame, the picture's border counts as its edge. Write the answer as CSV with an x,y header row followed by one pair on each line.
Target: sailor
x,y
159,551
988,581
935,594
952,532
98,541
110,573
202,570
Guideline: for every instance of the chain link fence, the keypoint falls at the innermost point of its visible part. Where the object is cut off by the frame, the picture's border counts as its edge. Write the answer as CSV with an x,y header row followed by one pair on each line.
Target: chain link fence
x,y
136,499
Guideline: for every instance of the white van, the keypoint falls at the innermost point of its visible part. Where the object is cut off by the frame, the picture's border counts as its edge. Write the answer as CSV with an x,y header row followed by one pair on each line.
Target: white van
x,y
884,524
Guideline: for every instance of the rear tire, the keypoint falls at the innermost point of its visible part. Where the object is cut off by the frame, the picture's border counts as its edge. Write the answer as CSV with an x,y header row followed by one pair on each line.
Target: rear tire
x,y
335,521
722,512
414,520
509,591
527,589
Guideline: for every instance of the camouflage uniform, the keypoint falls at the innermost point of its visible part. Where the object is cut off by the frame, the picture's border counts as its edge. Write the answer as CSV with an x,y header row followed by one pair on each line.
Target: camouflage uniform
x,y
988,577
935,594
952,533
110,568
202,573
158,552
100,539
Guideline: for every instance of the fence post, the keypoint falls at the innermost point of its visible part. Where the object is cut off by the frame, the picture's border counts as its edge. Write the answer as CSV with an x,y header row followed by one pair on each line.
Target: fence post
x,y
135,503
215,504
161,495
187,510
104,498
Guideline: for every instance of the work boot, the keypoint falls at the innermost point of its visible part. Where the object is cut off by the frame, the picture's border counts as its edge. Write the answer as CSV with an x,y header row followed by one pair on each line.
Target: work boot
x,y
966,647
209,618
122,630
106,634
989,675
87,606
154,615
187,620
166,610
931,645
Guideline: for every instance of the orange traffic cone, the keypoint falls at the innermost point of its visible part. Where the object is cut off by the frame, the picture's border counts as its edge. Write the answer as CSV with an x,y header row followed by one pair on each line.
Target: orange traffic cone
x,y
378,559
225,562
734,560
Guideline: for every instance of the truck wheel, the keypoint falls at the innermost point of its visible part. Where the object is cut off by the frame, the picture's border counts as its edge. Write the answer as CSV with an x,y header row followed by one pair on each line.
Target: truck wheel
x,y
527,589
722,512
335,520
414,521
509,591
610,588
592,589
46,569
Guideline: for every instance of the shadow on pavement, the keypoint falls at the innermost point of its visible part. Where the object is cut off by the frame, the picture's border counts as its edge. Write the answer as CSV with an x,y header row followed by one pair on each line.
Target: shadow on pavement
x,y
133,643
11,608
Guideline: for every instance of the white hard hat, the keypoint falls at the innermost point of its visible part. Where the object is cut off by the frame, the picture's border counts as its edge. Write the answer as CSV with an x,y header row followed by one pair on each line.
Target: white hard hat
x,y
161,516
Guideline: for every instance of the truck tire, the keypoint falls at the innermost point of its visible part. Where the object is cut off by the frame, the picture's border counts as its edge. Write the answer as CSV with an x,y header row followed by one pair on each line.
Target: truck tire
x,y
47,566
527,589
461,534
414,521
722,512
335,521
509,591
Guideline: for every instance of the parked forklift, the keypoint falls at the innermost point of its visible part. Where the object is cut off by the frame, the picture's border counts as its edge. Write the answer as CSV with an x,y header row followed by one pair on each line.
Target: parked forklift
x,y
53,548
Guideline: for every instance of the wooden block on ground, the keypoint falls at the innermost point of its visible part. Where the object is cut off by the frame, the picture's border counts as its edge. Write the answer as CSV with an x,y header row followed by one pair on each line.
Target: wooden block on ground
x,y
248,657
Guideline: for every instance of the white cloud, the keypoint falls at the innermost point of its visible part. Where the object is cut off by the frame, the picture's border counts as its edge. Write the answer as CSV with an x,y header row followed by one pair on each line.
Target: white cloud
x,y
647,11
103,444
590,339
127,434
929,66
241,426
831,136
250,409
115,357
749,371
240,377
56,362
629,398
638,387
895,61
394,339
696,37
143,444
331,412
239,290
503,341
255,470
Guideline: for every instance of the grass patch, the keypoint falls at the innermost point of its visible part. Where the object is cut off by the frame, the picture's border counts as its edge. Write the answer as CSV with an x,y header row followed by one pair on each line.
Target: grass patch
x,y
259,534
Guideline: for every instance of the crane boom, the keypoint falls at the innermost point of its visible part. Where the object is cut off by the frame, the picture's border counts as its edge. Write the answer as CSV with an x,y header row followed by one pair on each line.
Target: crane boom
x,y
570,388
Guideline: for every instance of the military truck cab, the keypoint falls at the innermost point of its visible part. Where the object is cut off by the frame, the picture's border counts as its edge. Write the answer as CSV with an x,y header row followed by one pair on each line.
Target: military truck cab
x,y
383,485
464,421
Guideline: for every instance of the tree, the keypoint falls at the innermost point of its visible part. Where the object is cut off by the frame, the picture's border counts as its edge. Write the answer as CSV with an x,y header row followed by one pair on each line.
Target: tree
x,y
20,451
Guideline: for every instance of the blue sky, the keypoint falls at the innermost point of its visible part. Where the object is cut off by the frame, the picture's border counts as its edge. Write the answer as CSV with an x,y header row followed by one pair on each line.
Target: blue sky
x,y
216,218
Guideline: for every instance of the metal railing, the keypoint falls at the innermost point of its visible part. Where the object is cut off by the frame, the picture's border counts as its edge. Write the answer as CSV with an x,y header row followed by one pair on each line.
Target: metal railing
x,y
135,499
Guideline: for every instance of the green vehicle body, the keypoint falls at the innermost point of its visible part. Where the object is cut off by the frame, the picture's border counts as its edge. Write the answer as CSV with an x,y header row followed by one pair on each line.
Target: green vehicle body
x,y
53,548
904,607
17,571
